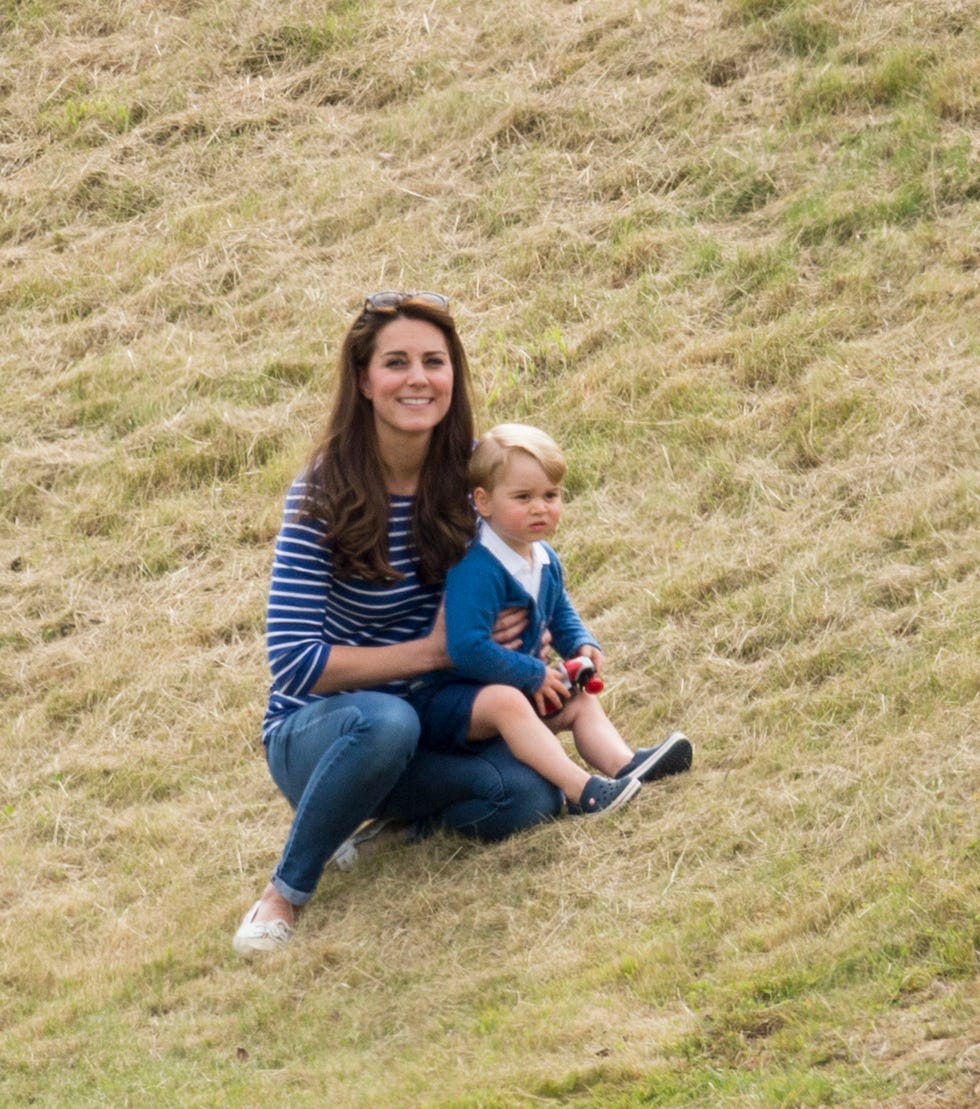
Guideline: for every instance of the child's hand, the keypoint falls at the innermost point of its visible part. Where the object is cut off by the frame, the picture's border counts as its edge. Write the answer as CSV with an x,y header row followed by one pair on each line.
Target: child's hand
x,y
551,694
593,653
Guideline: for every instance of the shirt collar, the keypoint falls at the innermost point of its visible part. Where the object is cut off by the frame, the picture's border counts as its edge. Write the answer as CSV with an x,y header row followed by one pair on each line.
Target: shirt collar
x,y
511,560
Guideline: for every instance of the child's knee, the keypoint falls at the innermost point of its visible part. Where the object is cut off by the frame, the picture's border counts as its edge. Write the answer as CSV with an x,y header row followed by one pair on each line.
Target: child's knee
x,y
505,699
583,707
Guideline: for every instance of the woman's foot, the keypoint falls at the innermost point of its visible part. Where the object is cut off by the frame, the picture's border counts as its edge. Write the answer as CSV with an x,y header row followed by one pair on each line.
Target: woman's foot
x,y
267,926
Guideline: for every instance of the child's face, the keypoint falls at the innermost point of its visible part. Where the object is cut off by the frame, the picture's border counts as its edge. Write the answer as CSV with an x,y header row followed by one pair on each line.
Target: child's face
x,y
523,506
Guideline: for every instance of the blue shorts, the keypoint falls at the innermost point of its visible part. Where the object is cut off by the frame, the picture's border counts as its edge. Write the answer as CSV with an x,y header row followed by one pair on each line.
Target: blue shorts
x,y
445,710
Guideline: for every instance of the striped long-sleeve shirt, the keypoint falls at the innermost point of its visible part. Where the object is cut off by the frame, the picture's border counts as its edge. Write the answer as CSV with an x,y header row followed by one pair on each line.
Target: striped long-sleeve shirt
x,y
310,609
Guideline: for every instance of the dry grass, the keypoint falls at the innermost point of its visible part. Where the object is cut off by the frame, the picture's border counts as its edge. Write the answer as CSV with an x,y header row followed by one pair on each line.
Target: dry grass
x,y
727,254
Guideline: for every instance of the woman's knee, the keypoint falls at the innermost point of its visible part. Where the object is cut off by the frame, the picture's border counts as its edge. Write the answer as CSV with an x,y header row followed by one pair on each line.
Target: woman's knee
x,y
389,724
386,728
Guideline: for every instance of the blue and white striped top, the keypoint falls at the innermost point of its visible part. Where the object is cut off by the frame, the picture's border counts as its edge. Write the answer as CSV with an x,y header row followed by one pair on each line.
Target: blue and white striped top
x,y
310,609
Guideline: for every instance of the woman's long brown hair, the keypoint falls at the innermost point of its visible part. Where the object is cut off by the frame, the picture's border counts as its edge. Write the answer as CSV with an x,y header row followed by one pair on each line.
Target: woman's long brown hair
x,y
346,487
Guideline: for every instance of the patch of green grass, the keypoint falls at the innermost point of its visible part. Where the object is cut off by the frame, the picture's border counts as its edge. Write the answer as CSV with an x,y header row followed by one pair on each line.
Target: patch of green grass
x,y
342,24
954,90
22,13
105,396
901,75
748,11
759,284
115,198
65,298
775,354
831,420
803,31
732,186
903,72
247,387
93,118
830,91
443,112
847,216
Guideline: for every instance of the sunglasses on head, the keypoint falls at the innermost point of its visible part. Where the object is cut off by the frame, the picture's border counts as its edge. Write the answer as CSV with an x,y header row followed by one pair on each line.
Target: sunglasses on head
x,y
392,299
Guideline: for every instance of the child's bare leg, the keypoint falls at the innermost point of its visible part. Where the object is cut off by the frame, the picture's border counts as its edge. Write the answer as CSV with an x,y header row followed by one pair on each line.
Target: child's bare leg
x,y
597,739
505,711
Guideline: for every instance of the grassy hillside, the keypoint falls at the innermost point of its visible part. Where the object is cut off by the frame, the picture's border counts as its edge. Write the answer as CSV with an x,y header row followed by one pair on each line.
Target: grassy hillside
x,y
728,254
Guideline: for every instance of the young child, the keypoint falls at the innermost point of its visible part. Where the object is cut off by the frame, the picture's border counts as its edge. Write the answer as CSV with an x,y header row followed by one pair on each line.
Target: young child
x,y
515,474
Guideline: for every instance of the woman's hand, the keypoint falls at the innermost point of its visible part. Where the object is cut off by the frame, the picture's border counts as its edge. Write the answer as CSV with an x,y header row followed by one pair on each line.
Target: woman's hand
x,y
509,628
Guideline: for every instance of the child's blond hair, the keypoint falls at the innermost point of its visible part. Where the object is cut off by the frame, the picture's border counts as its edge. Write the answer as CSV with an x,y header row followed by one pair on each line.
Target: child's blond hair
x,y
493,451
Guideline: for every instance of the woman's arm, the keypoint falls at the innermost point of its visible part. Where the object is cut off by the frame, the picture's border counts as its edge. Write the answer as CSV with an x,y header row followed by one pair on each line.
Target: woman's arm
x,y
356,667
362,667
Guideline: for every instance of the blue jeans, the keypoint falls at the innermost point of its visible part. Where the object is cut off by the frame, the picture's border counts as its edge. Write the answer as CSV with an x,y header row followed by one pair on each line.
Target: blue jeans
x,y
335,761
486,794
353,756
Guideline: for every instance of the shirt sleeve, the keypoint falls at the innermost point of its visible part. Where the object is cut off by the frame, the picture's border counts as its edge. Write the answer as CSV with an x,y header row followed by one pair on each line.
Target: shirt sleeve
x,y
476,593
302,572
568,632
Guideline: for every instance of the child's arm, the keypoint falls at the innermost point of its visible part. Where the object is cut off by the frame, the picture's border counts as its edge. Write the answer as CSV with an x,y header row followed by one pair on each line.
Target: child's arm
x,y
476,593
569,634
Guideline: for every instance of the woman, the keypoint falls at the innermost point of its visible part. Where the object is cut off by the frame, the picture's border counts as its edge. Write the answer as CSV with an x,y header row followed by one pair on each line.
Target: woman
x,y
369,531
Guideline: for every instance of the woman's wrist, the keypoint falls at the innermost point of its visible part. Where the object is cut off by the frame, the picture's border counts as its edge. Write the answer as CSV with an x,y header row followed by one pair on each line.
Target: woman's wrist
x,y
435,656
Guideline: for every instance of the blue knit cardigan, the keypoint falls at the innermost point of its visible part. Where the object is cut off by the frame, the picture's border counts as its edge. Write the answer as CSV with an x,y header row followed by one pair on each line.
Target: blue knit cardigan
x,y
478,589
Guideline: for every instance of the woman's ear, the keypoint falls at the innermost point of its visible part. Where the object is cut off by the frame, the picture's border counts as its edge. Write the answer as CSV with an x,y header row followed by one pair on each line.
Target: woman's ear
x,y
364,386
481,498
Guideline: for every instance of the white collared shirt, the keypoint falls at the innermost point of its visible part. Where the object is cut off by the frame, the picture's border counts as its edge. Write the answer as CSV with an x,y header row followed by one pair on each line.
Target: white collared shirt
x,y
526,573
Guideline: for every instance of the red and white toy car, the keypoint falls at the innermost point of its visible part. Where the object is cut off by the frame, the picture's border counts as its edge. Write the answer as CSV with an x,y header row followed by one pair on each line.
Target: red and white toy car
x,y
578,674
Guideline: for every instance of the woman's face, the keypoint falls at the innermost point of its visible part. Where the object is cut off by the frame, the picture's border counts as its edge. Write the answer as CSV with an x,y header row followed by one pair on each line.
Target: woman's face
x,y
409,378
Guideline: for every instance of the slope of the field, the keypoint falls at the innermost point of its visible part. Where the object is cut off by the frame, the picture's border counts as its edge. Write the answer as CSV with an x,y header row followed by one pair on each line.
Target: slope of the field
x,y
728,254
